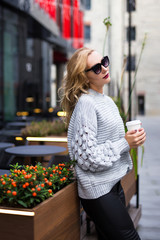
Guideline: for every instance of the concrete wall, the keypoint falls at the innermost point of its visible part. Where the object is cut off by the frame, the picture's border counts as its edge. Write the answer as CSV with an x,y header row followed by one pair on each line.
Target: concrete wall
x,y
114,45
148,78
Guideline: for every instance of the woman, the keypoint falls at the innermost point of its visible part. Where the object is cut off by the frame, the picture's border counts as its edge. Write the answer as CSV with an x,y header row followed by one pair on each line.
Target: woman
x,y
98,143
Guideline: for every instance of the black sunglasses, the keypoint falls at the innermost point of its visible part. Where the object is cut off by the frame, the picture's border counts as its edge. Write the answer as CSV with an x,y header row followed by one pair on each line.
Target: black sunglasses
x,y
97,67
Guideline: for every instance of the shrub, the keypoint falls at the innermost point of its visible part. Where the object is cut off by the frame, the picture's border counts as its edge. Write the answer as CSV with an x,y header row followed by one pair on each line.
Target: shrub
x,y
27,186
44,128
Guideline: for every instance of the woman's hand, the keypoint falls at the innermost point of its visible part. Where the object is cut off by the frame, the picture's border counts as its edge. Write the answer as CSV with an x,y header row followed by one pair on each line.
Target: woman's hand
x,y
135,138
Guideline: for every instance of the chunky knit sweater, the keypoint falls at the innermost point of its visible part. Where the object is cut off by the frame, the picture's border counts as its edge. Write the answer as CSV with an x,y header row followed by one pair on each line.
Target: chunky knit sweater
x,y
96,141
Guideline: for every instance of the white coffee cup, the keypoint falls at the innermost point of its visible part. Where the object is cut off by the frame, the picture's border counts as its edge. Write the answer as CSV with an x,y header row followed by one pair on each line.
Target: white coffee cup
x,y
133,125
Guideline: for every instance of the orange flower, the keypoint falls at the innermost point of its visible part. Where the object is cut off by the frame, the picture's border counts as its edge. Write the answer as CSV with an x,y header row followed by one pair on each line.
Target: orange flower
x,y
34,194
50,183
14,193
14,184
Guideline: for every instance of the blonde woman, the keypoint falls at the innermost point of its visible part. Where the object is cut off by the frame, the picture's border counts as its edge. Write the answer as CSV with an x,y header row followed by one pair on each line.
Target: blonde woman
x,y
98,143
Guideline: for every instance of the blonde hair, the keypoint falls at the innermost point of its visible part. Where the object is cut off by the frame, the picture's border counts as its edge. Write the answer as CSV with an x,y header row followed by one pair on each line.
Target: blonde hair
x,y
75,81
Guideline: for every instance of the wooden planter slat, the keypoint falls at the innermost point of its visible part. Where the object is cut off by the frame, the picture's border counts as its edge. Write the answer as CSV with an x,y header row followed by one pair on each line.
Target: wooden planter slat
x,y
129,186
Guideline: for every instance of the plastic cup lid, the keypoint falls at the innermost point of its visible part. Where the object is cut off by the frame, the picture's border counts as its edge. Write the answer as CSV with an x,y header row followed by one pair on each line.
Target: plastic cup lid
x,y
134,122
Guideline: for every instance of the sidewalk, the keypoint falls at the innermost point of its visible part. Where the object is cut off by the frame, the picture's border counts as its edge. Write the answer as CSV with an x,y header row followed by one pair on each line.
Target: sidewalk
x,y
149,224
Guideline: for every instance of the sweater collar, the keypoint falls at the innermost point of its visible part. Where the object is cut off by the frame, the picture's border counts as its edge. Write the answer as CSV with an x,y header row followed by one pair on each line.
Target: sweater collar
x,y
95,93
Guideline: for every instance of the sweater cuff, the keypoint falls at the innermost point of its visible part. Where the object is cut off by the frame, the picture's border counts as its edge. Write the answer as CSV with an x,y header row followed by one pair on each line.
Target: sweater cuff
x,y
121,145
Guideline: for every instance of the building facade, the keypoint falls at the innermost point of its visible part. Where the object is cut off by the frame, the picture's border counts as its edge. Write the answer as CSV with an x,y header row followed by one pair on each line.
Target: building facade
x,y
131,20
114,44
36,39
148,77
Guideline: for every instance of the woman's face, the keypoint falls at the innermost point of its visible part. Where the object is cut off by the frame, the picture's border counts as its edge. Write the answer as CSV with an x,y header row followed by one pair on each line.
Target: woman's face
x,y
97,81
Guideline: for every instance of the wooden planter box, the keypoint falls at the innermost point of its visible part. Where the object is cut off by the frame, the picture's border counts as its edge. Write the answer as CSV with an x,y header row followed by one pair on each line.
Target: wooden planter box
x,y
129,185
57,218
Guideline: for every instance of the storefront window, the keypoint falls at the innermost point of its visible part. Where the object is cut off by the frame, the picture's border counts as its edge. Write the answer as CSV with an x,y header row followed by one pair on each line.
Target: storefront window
x,y
1,82
10,64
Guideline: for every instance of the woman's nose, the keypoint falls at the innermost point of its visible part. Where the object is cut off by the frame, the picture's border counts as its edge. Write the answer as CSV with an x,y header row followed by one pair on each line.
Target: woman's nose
x,y
104,68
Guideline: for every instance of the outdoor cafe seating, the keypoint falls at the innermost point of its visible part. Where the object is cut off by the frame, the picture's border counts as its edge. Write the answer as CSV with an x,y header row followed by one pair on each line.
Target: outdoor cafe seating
x,y
5,159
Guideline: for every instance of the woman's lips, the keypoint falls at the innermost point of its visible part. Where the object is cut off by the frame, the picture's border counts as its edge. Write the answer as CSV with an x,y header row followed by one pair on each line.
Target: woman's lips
x,y
106,76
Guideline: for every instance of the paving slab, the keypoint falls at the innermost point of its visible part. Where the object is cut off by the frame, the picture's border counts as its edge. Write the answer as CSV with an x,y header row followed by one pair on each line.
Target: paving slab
x,y
149,224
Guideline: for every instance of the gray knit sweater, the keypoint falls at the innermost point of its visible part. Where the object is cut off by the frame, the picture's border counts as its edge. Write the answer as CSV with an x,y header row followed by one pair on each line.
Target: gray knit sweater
x,y
96,141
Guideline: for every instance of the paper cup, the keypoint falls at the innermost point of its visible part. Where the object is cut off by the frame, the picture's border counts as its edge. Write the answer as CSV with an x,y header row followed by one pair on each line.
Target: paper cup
x,y
133,125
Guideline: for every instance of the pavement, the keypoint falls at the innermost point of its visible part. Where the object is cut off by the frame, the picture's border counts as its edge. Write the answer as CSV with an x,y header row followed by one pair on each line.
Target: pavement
x,y
149,172
149,176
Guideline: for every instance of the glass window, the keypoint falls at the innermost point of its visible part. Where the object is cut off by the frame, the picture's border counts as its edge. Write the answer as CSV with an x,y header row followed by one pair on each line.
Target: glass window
x,y
29,47
87,4
131,5
132,34
1,70
87,32
10,64
133,63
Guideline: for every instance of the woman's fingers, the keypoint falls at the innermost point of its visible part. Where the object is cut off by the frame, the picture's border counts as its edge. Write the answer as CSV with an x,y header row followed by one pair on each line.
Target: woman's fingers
x,y
141,137
135,138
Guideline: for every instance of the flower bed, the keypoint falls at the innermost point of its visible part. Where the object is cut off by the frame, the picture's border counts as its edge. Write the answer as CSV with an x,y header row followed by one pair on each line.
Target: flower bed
x,y
27,186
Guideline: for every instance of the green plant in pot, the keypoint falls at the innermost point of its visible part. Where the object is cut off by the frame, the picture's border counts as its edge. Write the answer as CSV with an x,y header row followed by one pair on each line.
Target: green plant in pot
x,y
45,128
28,186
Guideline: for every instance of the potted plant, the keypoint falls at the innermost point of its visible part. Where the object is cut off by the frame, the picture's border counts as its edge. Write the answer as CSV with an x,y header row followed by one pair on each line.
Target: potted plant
x,y
45,128
47,132
39,203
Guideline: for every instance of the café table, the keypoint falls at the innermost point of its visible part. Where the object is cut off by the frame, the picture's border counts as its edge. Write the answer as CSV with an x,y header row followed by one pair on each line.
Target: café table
x,y
3,159
7,135
4,145
11,133
17,125
34,151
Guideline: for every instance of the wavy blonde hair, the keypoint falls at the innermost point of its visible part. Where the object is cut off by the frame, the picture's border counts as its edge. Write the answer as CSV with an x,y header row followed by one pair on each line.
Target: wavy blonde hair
x,y
75,81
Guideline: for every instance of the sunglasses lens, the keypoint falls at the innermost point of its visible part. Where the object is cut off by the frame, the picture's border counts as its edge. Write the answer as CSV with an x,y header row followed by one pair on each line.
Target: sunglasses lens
x,y
105,62
97,68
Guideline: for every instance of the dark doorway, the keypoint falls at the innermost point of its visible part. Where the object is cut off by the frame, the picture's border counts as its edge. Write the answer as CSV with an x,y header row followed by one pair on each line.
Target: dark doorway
x,y
141,104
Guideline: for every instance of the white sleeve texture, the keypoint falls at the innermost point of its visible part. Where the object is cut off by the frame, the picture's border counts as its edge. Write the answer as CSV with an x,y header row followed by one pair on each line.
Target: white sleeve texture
x,y
85,148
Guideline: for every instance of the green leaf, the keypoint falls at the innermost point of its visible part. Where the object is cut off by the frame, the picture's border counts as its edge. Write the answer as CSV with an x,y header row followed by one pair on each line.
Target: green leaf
x,y
142,155
22,203
134,158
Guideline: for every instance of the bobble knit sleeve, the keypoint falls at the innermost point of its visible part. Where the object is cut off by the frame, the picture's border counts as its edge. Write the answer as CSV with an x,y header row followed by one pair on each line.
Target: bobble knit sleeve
x,y
87,152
